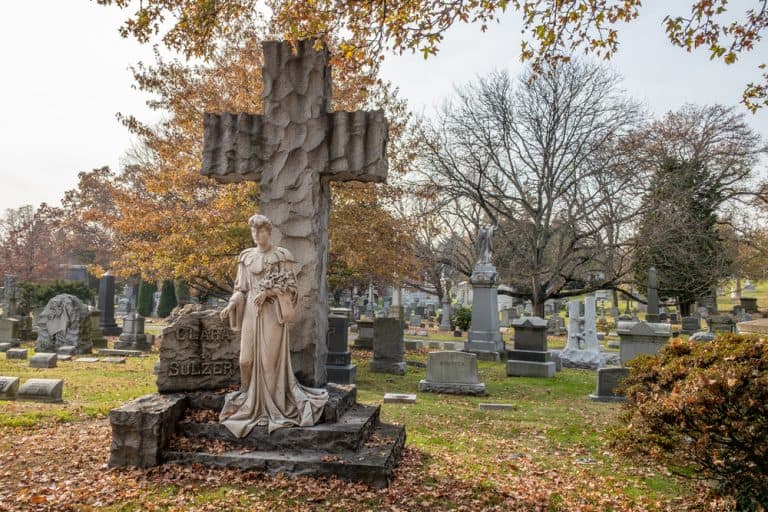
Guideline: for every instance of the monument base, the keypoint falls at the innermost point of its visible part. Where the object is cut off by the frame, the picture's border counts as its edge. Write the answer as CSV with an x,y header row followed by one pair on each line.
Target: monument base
x,y
452,388
608,380
485,349
132,342
350,442
111,330
346,374
396,368
531,369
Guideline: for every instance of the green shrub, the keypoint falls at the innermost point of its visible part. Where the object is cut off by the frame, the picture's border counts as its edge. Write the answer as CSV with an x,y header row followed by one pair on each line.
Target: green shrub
x,y
38,295
182,291
702,409
144,301
461,317
167,299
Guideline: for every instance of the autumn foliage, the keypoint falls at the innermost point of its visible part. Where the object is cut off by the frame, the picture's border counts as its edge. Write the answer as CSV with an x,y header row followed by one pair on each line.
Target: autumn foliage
x,y
702,408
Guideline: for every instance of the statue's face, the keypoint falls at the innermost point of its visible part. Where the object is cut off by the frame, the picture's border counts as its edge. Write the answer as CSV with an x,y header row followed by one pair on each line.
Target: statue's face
x,y
261,235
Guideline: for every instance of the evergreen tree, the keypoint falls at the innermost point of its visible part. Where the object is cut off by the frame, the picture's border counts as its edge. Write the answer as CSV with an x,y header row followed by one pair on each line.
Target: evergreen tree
x,y
167,299
144,301
182,291
678,233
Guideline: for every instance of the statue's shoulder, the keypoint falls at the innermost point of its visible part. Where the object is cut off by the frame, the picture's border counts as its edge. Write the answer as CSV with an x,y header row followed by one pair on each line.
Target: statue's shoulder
x,y
284,254
246,255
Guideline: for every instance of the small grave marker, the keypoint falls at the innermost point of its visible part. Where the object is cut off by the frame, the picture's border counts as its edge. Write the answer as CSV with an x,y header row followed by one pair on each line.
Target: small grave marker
x,y
114,360
42,390
16,353
496,407
399,398
9,387
43,360
87,360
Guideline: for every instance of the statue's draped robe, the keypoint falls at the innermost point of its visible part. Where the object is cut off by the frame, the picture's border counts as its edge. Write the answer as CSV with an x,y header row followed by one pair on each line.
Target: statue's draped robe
x,y
270,394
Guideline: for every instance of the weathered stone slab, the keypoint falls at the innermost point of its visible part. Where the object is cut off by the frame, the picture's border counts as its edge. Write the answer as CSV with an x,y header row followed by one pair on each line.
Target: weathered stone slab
x,y
641,338
9,388
452,373
65,357
66,351
702,336
399,398
608,380
133,336
373,465
10,331
87,360
16,353
114,360
496,407
198,351
5,346
388,346
365,332
42,390
43,360
118,352
142,428
64,323
531,369
339,367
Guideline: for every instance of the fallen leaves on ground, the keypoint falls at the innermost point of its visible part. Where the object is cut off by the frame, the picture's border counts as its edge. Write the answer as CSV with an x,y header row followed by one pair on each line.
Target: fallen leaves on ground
x,y
63,467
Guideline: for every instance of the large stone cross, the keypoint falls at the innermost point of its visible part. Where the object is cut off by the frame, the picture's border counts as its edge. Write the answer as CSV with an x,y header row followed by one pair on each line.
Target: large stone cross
x,y
293,150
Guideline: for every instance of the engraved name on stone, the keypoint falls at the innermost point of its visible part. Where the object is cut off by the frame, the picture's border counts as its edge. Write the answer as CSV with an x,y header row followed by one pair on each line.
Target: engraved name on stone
x,y
195,368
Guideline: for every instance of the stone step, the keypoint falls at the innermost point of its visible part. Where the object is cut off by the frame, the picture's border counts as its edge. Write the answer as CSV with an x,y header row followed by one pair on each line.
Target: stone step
x,y
119,352
349,433
373,464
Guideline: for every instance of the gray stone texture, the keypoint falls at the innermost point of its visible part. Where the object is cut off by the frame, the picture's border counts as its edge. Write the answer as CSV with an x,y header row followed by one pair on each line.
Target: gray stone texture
x,y
5,346
16,353
530,357
582,349
641,338
42,390
691,324
9,388
198,351
388,346
339,367
702,336
721,323
97,335
364,338
452,373
10,331
293,150
133,336
749,304
496,407
399,398
107,322
484,337
64,323
652,312
43,360
608,380
142,428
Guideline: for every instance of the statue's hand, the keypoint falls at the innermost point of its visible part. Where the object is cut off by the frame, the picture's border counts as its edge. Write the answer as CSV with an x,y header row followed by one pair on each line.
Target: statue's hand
x,y
226,311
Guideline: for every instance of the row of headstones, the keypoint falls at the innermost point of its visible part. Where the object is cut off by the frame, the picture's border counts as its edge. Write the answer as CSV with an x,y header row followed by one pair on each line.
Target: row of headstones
x,y
36,390
50,360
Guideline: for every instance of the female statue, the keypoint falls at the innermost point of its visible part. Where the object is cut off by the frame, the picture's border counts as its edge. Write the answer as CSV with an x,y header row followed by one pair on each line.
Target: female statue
x,y
260,308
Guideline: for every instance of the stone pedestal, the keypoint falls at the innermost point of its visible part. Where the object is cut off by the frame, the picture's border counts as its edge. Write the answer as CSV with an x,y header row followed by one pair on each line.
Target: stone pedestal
x,y
339,367
530,357
107,322
641,338
365,331
10,331
608,380
749,304
388,346
445,319
97,336
452,373
133,337
484,338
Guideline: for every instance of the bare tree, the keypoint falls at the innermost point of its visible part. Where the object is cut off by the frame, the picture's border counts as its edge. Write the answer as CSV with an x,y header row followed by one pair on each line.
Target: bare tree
x,y
542,159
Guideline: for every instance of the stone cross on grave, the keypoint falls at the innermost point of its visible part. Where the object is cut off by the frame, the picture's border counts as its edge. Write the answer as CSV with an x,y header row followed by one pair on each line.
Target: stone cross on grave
x,y
293,151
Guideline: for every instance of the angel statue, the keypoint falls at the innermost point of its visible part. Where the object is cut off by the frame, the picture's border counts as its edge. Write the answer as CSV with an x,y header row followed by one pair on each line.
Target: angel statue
x,y
485,243
260,308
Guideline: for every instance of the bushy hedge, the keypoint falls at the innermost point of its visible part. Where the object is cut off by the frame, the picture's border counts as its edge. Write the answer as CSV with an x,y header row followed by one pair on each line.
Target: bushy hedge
x,y
167,299
38,295
702,408
145,300
461,317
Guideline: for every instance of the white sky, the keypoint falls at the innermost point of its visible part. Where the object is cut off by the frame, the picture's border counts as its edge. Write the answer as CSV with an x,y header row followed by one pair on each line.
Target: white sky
x,y
64,75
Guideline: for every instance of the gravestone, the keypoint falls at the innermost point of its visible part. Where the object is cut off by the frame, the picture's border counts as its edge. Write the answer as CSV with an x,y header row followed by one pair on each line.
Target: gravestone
x,y
484,337
198,351
399,398
43,360
608,380
16,353
10,331
445,319
41,390
365,331
749,304
690,324
641,338
97,335
721,324
64,325
507,315
9,388
107,322
133,337
339,365
556,326
113,360
452,372
293,151
702,336
652,312
530,357
388,346
582,349
415,321
5,346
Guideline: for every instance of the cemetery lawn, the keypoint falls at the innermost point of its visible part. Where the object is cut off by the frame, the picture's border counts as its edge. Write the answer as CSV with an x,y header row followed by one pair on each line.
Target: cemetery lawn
x,y
551,452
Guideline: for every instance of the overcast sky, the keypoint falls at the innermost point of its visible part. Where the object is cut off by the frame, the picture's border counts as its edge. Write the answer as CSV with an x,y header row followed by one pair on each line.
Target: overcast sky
x,y
64,76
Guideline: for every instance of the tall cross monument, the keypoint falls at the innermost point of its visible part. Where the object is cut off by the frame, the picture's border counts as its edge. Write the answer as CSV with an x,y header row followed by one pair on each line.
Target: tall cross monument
x,y
293,151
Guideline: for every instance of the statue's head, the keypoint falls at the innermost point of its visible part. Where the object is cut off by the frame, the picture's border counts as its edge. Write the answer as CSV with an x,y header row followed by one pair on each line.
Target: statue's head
x,y
261,229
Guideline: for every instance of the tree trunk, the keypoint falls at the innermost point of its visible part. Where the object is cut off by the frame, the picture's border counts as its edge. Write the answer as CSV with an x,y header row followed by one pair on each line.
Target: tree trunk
x,y
538,309
737,289
685,308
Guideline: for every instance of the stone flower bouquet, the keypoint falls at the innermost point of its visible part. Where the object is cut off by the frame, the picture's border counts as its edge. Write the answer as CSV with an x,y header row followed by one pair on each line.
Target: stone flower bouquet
x,y
280,281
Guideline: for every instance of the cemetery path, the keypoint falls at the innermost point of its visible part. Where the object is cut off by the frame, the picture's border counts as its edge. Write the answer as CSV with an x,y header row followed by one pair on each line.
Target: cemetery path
x,y
62,466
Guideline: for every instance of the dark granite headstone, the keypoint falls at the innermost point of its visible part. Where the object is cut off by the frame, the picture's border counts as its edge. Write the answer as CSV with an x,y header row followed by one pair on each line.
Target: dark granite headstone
x,y
608,380
339,365
530,357
388,346
749,304
107,322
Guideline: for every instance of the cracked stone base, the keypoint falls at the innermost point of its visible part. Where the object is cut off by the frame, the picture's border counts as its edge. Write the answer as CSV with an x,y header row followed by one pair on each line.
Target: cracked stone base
x,y
452,388
530,369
